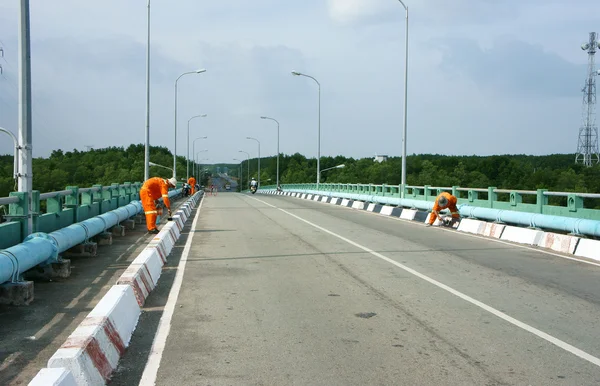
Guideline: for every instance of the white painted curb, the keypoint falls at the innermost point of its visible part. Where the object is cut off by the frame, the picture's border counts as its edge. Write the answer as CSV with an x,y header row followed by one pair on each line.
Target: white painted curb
x,y
53,377
521,235
408,214
558,242
470,225
493,230
387,210
588,248
358,205
93,350
371,207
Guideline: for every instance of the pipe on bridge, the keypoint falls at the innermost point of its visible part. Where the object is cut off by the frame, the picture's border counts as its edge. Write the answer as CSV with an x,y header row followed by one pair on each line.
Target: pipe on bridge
x,y
44,248
535,220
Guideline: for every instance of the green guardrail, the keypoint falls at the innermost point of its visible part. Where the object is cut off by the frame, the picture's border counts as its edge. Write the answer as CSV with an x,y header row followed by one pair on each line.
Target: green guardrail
x,y
56,210
542,201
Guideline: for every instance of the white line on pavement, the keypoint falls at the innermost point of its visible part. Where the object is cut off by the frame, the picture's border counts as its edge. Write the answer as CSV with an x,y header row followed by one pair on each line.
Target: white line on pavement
x,y
164,326
557,342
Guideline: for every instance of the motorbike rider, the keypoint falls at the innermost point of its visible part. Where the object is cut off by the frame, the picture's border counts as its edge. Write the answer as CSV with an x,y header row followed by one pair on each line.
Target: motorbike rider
x,y
253,184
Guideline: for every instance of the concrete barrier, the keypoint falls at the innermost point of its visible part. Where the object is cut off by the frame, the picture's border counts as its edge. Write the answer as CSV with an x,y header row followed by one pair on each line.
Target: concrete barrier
x,y
469,225
558,242
324,198
358,205
522,235
91,353
493,230
588,248
387,210
143,274
53,377
408,214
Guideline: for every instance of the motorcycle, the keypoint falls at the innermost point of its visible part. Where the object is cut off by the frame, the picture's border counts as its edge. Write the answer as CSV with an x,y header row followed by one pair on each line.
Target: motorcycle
x,y
186,190
253,189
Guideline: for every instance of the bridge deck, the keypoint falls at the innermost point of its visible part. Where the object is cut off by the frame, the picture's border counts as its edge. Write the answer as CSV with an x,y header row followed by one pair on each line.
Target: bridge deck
x,y
269,296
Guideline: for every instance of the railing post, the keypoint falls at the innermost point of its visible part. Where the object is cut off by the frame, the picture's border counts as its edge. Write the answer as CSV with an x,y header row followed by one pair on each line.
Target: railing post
x,y
541,200
472,195
72,201
20,209
515,198
455,191
54,204
426,193
492,196
574,202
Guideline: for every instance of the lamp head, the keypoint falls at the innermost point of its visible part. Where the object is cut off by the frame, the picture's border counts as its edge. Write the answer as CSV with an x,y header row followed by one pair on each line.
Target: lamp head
x,y
200,71
296,73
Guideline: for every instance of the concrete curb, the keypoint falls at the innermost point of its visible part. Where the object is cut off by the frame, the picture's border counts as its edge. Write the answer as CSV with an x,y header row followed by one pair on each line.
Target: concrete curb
x,y
53,377
568,244
92,352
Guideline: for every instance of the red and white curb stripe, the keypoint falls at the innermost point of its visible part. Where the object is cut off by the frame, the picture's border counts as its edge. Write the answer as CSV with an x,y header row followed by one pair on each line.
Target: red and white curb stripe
x,y
92,352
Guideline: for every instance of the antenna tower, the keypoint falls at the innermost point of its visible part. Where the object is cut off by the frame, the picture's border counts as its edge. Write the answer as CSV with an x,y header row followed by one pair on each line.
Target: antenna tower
x,y
587,146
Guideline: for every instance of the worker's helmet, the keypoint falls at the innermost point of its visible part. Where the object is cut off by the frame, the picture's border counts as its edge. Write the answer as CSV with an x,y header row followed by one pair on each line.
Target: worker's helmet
x,y
253,179
442,201
172,181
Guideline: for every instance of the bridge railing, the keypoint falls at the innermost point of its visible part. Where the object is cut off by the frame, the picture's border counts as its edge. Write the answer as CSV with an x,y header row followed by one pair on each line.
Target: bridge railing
x,y
568,204
55,210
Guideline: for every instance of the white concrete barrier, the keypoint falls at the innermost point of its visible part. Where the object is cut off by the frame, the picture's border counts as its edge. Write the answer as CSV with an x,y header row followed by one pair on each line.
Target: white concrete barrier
x,y
371,207
335,201
493,230
588,248
91,353
558,242
345,202
358,205
470,225
387,210
522,235
53,377
408,214
316,197
324,198
143,274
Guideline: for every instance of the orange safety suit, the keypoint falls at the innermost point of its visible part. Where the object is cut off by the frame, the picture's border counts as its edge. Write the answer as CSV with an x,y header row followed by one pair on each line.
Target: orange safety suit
x,y
437,207
192,182
152,190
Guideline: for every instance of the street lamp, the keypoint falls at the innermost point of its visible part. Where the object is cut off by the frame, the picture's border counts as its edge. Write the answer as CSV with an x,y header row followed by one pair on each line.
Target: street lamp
x,y
194,151
241,177
335,167
403,180
273,119
199,71
197,167
247,155
296,73
16,151
160,166
147,139
188,141
257,141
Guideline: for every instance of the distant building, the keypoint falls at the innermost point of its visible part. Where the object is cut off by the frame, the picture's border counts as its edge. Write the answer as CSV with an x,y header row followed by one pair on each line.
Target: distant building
x,y
380,158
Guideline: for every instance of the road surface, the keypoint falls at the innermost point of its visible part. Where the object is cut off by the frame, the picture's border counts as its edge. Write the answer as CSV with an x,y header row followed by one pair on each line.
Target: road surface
x,y
280,291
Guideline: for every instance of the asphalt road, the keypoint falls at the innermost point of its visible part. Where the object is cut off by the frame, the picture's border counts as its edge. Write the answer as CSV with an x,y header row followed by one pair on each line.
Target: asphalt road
x,y
282,291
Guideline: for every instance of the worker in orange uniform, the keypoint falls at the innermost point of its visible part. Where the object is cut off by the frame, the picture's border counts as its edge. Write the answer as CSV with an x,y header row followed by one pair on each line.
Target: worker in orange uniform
x,y
192,183
152,190
444,201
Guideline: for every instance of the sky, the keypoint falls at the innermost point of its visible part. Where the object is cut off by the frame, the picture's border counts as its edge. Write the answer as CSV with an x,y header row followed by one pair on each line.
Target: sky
x,y
484,76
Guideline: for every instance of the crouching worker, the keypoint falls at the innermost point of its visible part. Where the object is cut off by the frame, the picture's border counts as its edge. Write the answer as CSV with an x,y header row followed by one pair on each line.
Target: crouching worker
x,y
444,201
152,190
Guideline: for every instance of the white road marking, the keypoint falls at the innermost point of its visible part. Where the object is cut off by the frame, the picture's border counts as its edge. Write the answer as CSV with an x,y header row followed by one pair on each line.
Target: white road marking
x,y
557,342
164,326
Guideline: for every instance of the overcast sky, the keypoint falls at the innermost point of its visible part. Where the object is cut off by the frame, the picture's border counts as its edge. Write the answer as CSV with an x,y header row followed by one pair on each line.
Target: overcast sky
x,y
485,76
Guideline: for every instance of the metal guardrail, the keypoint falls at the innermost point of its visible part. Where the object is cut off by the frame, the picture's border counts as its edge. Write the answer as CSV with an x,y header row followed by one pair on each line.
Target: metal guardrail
x,y
541,201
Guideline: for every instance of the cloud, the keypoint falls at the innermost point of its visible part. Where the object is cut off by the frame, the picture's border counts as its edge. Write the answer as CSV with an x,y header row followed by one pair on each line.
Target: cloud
x,y
513,67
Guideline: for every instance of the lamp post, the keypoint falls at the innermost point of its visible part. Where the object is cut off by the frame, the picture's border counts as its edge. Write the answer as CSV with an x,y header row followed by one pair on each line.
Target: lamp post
x,y
157,165
175,149
241,177
197,166
273,119
247,155
335,167
257,141
319,131
403,180
147,136
194,152
188,141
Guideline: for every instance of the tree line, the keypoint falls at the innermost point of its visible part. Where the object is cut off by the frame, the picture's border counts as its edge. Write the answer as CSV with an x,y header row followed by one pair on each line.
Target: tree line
x,y
556,172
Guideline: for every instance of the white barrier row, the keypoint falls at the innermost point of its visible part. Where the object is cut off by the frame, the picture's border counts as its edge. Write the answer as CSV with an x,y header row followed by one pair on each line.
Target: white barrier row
x,y
568,244
91,353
